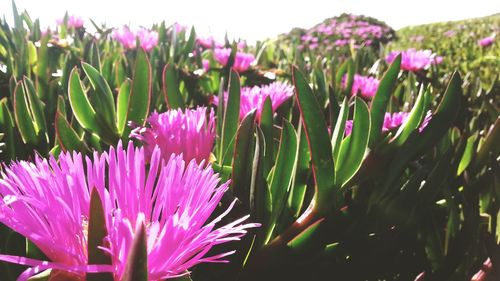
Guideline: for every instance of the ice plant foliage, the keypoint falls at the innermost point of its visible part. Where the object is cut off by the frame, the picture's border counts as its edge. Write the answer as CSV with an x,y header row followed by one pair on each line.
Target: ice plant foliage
x,y
190,133
148,39
48,202
254,97
415,60
242,61
365,85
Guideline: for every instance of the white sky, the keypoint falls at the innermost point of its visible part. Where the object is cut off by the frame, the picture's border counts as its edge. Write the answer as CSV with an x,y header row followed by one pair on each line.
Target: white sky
x,y
250,19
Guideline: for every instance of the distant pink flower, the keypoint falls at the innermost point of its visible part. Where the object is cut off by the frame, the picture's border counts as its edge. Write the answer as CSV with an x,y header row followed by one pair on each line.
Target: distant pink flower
x,y
48,202
487,41
413,60
206,64
73,21
242,60
450,33
392,121
148,39
365,85
191,133
208,42
254,97
179,27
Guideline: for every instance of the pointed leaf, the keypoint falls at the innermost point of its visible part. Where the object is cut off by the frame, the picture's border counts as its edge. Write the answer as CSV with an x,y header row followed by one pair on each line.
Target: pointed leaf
x,y
231,117
137,260
319,143
171,90
80,104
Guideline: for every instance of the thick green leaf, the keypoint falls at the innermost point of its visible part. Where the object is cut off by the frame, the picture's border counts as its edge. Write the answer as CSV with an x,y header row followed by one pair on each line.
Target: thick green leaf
x,y
136,268
67,137
301,241
80,104
171,91
97,232
468,154
140,94
489,147
417,114
188,47
122,102
266,124
339,131
353,148
381,100
283,173
22,116
299,184
104,102
242,159
230,118
319,143
36,110
7,127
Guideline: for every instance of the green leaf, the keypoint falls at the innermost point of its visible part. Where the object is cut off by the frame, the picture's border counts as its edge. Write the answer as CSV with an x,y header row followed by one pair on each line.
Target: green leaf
x,y
339,130
95,57
36,110
489,147
122,102
319,142
284,170
417,114
353,148
190,43
136,268
67,138
299,184
140,95
468,154
104,102
22,116
242,159
266,124
7,127
301,242
80,104
231,117
381,100
171,91
97,232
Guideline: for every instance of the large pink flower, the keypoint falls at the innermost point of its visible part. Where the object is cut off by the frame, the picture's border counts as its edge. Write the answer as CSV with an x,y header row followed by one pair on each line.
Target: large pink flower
x,y
415,60
254,97
190,132
48,202
242,60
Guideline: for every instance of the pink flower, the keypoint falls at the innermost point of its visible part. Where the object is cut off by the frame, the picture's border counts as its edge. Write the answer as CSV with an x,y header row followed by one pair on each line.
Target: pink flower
x,y
125,36
392,121
365,85
73,22
48,202
413,60
254,97
208,42
190,133
487,41
242,60
206,64
450,33
148,39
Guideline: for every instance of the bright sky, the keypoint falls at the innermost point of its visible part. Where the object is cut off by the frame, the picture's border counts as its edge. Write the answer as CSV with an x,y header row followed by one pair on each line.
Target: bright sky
x,y
250,19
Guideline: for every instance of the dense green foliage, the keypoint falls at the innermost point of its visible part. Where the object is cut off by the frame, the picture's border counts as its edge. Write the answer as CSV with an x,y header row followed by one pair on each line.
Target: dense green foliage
x,y
374,205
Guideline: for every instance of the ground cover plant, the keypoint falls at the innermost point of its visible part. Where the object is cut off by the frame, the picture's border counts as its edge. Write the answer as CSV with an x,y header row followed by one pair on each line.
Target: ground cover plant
x,y
345,151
